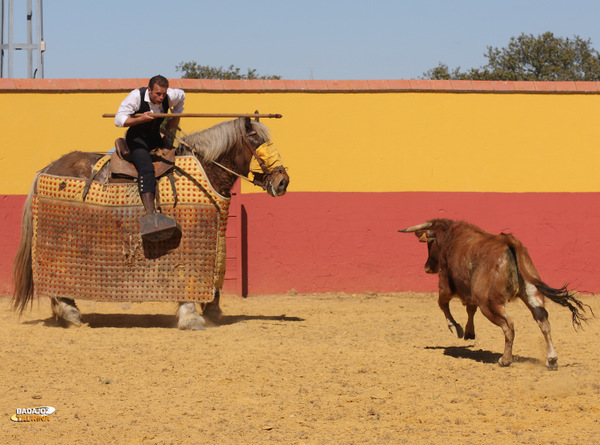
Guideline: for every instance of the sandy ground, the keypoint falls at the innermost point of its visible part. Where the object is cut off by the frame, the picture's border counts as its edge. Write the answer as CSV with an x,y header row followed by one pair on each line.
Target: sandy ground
x,y
314,369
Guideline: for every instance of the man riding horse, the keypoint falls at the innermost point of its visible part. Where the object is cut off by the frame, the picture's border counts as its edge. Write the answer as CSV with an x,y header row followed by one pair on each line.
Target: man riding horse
x,y
144,135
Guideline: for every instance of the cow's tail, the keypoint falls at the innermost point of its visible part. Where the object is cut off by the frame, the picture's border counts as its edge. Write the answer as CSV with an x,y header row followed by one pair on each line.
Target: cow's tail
x,y
22,267
562,296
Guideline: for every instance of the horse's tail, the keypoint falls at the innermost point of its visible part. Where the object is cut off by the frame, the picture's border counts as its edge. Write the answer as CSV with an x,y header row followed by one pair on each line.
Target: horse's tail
x,y
22,266
562,296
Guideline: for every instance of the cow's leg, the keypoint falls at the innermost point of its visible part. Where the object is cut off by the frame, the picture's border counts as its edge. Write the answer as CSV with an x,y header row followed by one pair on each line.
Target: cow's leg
x,y
470,327
212,310
444,303
535,303
66,309
188,317
497,315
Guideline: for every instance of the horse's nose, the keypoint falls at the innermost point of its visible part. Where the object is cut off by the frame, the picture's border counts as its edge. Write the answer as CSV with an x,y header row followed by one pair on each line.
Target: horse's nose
x,y
283,184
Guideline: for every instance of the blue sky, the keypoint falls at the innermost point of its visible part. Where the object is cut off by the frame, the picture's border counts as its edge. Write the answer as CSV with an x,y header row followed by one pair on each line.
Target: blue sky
x,y
310,39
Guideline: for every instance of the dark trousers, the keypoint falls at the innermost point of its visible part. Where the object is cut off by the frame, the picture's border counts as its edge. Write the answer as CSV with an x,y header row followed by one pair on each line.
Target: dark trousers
x,y
140,155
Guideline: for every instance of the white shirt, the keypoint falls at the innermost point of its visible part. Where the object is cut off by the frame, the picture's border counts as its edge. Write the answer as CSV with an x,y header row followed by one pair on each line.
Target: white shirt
x,y
132,102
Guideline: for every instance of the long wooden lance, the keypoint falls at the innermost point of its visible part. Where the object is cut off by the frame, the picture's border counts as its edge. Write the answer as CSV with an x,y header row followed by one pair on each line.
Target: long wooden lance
x,y
218,115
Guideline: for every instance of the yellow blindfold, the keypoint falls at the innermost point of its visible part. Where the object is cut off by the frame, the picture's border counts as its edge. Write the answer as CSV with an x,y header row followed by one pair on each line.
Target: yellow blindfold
x,y
270,156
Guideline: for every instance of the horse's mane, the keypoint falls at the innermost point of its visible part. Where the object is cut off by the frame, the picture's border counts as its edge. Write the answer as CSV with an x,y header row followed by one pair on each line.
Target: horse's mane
x,y
214,141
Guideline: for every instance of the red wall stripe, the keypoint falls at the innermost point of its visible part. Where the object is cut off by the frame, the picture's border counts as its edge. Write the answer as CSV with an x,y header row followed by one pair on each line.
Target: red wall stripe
x,y
320,242
11,209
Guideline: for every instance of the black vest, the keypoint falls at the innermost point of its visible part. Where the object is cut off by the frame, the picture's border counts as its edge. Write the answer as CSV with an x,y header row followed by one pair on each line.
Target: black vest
x,y
149,131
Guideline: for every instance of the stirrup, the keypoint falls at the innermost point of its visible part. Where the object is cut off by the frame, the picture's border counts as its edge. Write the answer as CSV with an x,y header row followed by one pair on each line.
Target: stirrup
x,y
158,227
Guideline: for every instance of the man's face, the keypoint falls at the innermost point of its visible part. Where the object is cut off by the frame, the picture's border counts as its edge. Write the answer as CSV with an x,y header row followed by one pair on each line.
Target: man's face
x,y
157,94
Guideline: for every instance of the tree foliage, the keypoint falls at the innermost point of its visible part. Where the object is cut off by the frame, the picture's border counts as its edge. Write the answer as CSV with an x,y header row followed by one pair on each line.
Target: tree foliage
x,y
192,70
529,57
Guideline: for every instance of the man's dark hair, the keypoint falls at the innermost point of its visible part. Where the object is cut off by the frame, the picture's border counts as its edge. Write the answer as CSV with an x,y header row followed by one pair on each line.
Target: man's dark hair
x,y
159,80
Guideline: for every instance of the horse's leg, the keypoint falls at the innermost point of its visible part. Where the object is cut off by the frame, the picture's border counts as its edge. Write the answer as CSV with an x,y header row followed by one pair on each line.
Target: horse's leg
x,y
66,309
470,327
212,310
188,317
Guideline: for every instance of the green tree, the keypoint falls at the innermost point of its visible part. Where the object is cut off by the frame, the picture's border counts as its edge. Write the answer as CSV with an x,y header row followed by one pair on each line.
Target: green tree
x,y
191,70
529,57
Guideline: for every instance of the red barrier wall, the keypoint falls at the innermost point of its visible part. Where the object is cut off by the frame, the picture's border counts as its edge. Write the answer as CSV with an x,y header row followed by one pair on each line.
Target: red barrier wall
x,y
10,218
349,241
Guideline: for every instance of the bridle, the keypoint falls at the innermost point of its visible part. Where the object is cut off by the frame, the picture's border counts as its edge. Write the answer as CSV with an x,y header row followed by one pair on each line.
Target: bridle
x,y
267,174
252,150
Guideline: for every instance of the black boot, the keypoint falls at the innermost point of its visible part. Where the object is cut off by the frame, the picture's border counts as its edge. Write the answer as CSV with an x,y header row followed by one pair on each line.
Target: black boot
x,y
155,226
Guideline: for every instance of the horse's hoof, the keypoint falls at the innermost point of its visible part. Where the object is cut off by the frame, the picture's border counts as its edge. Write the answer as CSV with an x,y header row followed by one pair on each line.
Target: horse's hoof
x,y
70,318
189,319
552,364
213,315
72,323
469,335
457,330
192,324
65,311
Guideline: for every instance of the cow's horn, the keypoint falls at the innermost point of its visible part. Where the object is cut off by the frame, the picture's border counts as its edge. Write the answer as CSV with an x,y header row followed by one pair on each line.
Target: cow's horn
x,y
424,226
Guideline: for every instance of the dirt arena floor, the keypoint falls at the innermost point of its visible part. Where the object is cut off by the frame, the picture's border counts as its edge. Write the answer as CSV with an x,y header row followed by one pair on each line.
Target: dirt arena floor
x,y
297,369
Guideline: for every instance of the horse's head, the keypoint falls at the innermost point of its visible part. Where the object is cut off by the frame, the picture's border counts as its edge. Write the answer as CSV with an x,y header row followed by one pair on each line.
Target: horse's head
x,y
241,147
265,164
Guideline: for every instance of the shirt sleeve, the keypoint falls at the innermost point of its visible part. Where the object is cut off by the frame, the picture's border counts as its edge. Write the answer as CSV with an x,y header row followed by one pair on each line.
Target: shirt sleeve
x,y
176,100
127,108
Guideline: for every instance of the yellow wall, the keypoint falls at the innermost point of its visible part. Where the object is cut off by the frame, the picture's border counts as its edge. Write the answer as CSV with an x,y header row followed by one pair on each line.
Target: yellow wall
x,y
375,142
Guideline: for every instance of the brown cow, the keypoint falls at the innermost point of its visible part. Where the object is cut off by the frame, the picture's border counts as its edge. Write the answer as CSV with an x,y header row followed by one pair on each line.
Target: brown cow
x,y
485,271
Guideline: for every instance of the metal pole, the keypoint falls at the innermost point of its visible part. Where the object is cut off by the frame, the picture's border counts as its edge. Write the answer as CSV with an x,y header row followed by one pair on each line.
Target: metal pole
x,y
11,42
2,43
215,115
40,39
29,40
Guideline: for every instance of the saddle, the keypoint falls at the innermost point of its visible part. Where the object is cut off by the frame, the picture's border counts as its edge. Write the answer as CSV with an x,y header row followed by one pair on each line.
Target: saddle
x,y
163,160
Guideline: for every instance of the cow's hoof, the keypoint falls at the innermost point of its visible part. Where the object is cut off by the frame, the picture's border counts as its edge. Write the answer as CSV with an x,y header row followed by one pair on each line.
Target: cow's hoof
x,y
552,364
504,363
469,335
457,330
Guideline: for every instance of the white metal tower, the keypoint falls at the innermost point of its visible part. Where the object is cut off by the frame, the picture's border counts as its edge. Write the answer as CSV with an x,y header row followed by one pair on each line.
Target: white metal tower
x,y
8,45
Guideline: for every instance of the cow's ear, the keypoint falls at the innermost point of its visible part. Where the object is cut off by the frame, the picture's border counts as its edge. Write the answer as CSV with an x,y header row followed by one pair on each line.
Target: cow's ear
x,y
422,235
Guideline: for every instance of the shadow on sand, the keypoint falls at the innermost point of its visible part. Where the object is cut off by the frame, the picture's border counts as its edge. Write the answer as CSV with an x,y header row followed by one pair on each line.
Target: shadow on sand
x,y
479,355
152,320
232,319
